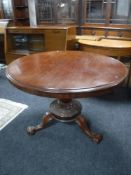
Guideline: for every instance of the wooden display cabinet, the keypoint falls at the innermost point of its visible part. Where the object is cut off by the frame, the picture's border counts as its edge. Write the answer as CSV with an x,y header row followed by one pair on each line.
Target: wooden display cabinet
x,y
16,11
21,13
20,41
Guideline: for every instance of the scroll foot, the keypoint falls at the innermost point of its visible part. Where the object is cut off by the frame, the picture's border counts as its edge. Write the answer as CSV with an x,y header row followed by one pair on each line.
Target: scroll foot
x,y
31,130
81,121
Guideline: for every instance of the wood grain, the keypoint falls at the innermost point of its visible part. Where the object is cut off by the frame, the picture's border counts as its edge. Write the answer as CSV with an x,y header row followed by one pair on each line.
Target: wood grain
x,y
69,73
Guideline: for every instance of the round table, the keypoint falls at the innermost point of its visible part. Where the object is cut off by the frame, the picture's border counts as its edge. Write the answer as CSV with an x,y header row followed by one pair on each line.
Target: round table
x,y
66,75
110,47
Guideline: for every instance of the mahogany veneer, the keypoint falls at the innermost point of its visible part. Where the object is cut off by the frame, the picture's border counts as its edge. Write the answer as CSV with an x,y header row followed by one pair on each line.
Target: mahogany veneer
x,y
66,75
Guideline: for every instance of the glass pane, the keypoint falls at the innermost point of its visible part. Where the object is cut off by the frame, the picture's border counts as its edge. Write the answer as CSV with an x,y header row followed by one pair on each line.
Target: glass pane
x,y
67,11
95,11
7,9
121,12
19,42
36,42
44,10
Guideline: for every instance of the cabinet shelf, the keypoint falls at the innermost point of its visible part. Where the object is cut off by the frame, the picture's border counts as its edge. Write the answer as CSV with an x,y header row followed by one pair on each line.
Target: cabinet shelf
x,y
22,52
22,18
21,12
21,6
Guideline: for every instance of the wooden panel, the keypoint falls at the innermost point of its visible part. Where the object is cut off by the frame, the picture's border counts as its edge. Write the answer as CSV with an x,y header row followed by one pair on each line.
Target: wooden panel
x,y
93,32
71,35
105,51
24,30
55,39
11,57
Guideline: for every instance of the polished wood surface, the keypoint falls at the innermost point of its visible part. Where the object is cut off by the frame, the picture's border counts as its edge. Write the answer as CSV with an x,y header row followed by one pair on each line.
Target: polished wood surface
x,y
66,75
108,43
110,47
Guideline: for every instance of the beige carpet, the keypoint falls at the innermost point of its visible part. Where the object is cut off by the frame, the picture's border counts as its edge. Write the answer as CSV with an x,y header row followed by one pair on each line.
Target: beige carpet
x,y
9,110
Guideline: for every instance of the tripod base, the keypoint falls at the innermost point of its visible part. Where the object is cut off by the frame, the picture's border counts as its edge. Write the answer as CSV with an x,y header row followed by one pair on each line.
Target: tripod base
x,y
66,112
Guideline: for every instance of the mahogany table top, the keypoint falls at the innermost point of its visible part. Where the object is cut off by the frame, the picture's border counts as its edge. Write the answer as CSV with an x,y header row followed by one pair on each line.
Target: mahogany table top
x,y
66,73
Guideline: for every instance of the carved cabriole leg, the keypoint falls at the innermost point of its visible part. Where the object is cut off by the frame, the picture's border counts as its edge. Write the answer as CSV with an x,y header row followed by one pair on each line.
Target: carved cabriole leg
x,y
66,111
46,119
81,121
